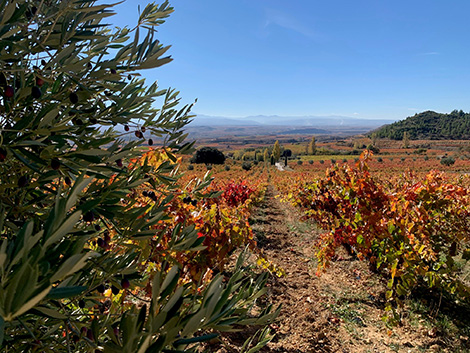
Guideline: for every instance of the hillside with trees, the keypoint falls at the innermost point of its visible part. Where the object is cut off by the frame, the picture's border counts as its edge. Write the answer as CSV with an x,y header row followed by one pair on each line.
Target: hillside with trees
x,y
429,125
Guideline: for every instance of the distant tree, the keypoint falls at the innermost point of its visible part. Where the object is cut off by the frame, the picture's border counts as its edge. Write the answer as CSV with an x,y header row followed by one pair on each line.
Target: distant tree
x,y
374,138
286,154
373,148
208,155
266,155
312,148
276,151
406,140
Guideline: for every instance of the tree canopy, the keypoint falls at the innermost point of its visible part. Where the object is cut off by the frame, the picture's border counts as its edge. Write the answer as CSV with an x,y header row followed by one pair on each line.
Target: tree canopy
x,y
208,155
429,125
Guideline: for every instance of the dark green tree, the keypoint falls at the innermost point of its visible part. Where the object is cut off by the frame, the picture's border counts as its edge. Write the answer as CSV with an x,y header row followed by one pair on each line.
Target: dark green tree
x,y
208,155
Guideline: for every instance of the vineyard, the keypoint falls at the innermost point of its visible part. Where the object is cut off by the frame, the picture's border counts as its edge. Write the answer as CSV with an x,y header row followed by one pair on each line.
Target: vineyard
x,y
113,238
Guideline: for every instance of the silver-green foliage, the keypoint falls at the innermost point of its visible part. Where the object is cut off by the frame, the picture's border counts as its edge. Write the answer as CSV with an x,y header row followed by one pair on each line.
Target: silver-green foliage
x,y
66,81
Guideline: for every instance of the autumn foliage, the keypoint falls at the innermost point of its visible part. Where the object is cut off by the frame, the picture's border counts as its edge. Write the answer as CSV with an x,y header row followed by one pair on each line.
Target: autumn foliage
x,y
414,231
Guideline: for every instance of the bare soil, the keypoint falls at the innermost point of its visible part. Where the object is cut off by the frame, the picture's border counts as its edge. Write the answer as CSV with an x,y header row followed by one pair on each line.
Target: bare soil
x,y
339,311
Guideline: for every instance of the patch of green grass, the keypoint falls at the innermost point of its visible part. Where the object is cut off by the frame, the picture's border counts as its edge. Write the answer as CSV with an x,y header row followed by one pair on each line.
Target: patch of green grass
x,y
300,227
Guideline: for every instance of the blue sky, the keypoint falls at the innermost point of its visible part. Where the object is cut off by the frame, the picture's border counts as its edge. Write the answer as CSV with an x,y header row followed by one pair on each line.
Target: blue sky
x,y
365,58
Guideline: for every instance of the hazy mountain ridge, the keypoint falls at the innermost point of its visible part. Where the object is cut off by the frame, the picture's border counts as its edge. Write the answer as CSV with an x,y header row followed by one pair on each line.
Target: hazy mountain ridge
x,y
291,121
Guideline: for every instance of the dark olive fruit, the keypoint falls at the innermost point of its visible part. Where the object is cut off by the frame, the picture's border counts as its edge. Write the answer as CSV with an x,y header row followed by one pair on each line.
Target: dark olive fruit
x,y
115,290
143,129
68,181
30,12
75,338
97,227
139,134
22,181
129,77
83,330
100,243
89,217
150,142
3,80
119,163
3,154
113,71
107,237
39,81
186,199
9,91
194,202
73,97
107,93
107,303
126,128
77,121
151,194
116,331
36,92
453,249
55,164
43,62
125,283
145,193
81,303
89,66
93,121
101,288
90,335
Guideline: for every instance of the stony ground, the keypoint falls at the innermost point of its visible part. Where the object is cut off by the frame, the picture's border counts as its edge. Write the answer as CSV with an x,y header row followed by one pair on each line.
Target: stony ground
x,y
339,311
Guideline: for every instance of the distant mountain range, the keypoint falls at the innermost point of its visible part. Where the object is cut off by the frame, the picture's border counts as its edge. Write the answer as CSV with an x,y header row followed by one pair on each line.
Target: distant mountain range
x,y
289,121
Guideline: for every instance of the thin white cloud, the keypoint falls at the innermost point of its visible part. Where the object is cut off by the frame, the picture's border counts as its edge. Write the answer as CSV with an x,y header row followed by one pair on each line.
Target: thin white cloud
x,y
281,19
429,53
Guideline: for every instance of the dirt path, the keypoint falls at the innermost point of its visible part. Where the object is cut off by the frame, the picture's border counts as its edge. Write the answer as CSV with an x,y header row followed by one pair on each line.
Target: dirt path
x,y
341,310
